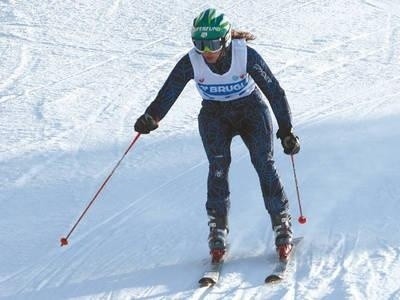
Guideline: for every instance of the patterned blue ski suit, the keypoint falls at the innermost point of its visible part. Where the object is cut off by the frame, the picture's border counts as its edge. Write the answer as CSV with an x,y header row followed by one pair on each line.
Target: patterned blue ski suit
x,y
220,121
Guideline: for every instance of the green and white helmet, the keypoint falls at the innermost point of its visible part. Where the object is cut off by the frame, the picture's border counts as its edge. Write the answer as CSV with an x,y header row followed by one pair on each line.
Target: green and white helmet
x,y
212,25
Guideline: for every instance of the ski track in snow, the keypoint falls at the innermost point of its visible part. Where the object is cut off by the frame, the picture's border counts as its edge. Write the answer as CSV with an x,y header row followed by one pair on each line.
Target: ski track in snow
x,y
74,77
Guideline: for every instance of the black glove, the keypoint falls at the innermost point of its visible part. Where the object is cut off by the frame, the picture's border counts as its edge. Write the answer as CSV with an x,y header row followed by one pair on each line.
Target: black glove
x,y
145,124
289,141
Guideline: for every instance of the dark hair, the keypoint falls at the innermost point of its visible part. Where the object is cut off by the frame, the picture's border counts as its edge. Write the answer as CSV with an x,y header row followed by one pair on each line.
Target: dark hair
x,y
238,34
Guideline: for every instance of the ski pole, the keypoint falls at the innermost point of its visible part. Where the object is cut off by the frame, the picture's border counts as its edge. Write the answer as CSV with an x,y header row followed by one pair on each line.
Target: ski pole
x,y
64,240
302,219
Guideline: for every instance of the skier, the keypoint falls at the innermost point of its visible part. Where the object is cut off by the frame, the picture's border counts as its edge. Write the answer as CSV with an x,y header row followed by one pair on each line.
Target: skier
x,y
226,71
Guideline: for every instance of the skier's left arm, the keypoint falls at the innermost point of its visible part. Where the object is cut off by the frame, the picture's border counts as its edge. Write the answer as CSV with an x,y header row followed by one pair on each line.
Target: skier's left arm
x,y
269,85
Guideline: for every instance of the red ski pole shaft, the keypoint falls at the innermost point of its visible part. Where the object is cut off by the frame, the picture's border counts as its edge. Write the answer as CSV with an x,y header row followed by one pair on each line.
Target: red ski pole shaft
x,y
302,219
64,240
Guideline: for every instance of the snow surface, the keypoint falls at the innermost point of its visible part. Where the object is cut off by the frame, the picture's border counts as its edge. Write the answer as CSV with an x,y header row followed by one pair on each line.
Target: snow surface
x,y
75,75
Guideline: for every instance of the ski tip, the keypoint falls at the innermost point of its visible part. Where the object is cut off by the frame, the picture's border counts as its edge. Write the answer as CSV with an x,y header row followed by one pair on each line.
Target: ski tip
x,y
272,279
297,240
206,282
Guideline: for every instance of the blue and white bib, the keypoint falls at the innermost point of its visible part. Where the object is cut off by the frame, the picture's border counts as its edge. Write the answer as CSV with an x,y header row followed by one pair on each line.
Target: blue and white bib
x,y
234,84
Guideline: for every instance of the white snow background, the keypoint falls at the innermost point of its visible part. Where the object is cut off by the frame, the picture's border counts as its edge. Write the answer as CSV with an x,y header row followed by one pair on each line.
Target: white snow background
x,y
75,75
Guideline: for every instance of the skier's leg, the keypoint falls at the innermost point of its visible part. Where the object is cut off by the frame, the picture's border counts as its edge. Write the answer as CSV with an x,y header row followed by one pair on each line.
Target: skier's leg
x,y
256,132
216,135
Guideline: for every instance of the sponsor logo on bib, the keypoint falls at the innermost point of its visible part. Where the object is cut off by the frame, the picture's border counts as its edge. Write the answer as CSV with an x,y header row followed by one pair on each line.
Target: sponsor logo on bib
x,y
226,89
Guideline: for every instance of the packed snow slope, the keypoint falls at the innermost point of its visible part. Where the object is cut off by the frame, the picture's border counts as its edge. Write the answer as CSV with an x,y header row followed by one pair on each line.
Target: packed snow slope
x,y
75,75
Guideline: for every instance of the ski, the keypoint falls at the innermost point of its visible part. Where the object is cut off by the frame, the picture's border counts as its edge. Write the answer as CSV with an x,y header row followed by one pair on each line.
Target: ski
x,y
212,274
279,271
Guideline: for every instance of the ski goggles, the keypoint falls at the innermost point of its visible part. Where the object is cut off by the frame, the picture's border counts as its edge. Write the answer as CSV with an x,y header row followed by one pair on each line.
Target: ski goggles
x,y
211,46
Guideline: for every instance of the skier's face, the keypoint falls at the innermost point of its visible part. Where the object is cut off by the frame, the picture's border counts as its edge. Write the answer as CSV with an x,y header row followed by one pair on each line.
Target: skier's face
x,y
211,57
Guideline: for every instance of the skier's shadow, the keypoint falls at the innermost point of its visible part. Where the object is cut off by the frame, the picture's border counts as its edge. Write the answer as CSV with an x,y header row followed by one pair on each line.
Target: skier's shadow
x,y
158,282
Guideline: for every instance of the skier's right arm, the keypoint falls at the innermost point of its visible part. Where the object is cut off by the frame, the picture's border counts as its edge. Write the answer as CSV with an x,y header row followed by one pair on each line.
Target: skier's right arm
x,y
181,74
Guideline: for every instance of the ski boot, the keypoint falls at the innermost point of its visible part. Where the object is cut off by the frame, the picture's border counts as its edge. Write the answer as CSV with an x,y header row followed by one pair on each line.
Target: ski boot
x,y
283,235
217,237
